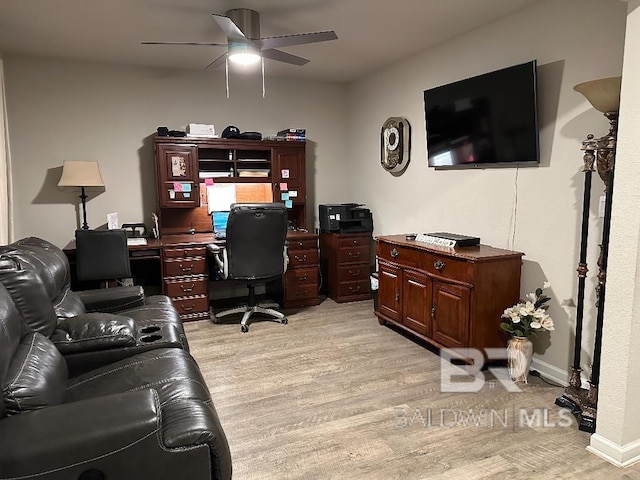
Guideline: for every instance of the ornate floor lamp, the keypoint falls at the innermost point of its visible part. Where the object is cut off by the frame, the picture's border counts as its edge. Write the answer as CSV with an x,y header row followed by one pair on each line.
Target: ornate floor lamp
x,y
81,175
604,95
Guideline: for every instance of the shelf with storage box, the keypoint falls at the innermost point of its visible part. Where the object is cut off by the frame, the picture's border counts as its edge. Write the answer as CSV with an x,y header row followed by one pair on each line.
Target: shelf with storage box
x,y
346,259
185,165
448,297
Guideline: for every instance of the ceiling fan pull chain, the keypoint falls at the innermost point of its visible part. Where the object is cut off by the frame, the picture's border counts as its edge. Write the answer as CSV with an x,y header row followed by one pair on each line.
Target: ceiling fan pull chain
x,y
262,58
226,73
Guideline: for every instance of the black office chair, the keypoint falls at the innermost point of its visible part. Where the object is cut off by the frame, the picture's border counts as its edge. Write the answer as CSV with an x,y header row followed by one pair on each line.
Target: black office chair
x,y
255,251
102,255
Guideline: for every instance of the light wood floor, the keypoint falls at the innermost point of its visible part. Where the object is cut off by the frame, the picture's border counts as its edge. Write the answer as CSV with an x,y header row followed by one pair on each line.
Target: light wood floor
x,y
334,395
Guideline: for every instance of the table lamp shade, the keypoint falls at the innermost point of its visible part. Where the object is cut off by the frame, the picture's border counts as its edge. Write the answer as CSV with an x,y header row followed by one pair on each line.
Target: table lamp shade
x,y
80,174
603,94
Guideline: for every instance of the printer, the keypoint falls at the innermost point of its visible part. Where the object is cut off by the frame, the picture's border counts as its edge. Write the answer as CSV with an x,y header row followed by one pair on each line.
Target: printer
x,y
345,218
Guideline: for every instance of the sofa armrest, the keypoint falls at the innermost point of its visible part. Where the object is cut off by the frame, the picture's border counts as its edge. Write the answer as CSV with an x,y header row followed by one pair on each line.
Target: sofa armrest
x,y
111,300
74,437
93,332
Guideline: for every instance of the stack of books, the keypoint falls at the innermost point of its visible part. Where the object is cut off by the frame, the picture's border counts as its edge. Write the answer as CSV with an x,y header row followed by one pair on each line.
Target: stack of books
x,y
292,135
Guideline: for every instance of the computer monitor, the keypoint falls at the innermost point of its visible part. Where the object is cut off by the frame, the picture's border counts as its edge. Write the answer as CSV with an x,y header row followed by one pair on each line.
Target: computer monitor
x,y
219,222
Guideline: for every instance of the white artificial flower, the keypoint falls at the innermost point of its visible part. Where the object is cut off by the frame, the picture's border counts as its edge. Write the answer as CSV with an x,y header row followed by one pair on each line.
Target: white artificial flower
x,y
546,285
535,325
547,323
532,297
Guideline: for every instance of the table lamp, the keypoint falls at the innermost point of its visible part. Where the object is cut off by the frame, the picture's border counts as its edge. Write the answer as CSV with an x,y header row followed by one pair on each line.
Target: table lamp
x,y
80,174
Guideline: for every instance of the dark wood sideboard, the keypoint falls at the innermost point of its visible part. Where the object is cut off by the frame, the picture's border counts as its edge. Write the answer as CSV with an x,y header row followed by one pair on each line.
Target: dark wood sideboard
x,y
447,297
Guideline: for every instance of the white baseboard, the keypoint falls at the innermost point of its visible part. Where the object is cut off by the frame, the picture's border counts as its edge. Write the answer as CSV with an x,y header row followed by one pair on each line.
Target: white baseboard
x,y
619,455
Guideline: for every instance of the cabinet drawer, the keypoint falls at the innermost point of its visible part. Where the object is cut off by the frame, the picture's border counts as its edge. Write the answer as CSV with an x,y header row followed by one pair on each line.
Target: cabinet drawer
x,y
447,267
353,273
185,252
181,286
185,266
301,292
354,242
301,276
354,254
347,289
191,305
306,244
303,257
399,255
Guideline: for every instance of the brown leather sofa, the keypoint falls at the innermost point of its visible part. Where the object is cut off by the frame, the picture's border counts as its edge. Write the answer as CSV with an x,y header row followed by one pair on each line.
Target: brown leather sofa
x,y
149,415
90,328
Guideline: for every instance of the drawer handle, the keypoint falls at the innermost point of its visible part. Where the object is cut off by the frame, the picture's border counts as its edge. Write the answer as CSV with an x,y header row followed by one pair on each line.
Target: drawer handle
x,y
438,265
395,253
301,294
186,269
301,259
300,244
189,309
187,289
303,277
355,242
354,289
355,255
355,273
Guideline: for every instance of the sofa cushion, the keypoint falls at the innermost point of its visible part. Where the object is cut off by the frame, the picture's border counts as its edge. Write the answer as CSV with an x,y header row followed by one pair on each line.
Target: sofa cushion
x,y
28,294
36,377
91,332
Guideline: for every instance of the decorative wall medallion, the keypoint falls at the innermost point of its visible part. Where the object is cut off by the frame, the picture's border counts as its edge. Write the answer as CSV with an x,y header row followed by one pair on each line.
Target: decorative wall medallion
x,y
395,139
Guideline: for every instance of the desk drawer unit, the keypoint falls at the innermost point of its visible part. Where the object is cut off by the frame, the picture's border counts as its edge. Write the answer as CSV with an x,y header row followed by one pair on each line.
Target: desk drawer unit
x,y
300,281
346,258
186,280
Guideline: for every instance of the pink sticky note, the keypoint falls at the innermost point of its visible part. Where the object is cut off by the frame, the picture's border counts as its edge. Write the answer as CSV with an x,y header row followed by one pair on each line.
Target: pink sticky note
x,y
177,186
208,181
284,186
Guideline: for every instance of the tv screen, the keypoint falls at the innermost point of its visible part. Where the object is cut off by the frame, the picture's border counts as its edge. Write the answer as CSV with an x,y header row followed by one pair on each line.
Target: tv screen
x,y
485,121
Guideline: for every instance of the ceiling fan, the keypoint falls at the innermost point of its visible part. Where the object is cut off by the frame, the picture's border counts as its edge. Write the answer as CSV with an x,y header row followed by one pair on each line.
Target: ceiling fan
x,y
244,44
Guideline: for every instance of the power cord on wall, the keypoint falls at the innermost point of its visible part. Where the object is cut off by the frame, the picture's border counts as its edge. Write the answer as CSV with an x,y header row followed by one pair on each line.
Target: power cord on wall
x,y
514,213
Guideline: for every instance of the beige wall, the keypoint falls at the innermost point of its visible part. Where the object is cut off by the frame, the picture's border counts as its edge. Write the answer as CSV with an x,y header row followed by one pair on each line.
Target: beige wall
x,y
64,110
618,429
544,221
60,110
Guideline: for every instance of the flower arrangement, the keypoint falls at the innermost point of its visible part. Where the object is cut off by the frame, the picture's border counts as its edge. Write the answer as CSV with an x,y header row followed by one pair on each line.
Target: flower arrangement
x,y
525,319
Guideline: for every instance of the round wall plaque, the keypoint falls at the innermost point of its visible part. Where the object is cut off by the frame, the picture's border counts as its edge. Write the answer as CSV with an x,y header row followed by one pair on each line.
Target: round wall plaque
x,y
395,144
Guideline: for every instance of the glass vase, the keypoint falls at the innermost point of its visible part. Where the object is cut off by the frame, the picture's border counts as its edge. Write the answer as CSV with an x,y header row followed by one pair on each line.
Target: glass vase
x,y
519,355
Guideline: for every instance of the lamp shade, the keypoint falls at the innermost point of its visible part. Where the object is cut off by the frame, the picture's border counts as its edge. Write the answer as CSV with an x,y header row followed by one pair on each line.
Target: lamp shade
x,y
603,94
80,174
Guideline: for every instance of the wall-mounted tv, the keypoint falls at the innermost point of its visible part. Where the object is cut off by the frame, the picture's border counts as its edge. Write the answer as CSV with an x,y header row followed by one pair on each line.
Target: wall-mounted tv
x,y
485,121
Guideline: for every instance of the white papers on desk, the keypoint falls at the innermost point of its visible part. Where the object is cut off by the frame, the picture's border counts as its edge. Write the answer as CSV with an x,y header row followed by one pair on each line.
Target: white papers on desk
x,y
220,196
136,241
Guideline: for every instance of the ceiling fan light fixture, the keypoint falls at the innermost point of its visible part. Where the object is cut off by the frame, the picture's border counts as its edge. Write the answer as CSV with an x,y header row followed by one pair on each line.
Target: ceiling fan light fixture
x,y
244,54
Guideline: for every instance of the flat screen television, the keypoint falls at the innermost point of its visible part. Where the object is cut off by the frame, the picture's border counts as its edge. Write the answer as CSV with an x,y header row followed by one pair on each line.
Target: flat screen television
x,y
485,121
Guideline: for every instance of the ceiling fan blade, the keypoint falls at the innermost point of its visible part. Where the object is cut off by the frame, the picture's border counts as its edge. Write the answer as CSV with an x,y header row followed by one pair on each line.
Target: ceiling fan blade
x,y
231,30
284,57
184,43
298,39
217,62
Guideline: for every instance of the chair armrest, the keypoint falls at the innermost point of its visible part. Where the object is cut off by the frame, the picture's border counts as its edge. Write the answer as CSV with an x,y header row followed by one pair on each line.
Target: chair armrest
x,y
220,257
94,331
77,436
111,300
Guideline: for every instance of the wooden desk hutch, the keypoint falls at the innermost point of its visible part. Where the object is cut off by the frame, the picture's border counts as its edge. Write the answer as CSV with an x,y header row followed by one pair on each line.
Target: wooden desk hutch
x,y
182,165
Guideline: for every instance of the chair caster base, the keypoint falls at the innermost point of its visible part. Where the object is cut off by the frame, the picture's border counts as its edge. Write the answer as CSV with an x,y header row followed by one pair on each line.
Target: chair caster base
x,y
244,328
284,321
